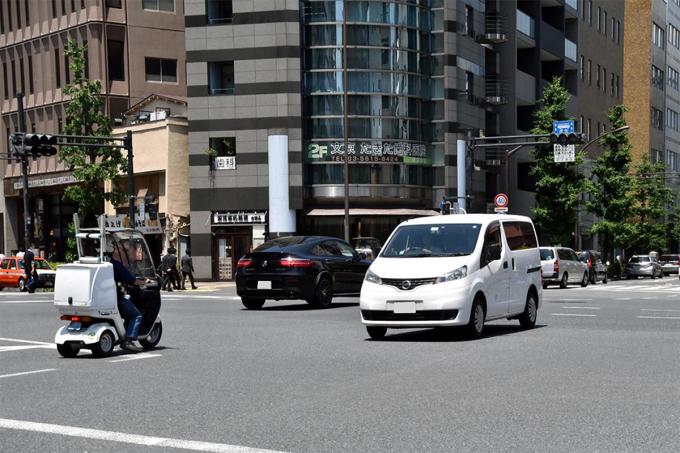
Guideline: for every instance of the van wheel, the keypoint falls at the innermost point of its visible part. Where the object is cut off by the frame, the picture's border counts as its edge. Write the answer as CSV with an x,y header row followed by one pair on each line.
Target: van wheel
x,y
528,318
584,280
376,332
604,280
475,327
564,281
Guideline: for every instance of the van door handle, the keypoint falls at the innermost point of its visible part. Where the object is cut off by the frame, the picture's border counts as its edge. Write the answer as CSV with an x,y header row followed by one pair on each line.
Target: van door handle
x,y
513,264
505,265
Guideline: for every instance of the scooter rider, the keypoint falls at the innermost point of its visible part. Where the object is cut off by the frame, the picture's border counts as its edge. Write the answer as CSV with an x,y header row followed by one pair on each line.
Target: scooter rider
x,y
127,309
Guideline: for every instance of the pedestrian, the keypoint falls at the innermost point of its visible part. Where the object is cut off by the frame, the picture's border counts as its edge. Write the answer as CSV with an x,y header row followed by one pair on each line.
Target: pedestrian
x,y
174,271
28,259
188,269
167,264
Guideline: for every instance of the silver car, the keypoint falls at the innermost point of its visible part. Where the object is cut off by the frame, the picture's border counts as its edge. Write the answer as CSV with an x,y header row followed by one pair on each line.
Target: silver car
x,y
643,266
669,264
562,266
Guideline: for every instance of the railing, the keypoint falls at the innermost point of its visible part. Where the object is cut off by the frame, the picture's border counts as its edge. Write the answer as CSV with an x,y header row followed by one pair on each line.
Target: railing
x,y
525,24
569,50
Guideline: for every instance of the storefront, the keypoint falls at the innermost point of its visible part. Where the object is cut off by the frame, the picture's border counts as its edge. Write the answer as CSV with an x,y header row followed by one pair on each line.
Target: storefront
x,y
235,233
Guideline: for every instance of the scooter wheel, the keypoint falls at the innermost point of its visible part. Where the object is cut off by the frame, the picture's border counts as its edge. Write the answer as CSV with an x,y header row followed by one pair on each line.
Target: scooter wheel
x,y
68,350
104,347
153,338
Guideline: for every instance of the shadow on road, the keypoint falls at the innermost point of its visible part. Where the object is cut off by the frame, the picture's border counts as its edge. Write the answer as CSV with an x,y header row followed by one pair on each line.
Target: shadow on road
x,y
452,334
304,307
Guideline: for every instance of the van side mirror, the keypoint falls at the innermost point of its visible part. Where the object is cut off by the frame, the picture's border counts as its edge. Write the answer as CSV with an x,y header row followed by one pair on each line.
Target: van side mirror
x,y
494,253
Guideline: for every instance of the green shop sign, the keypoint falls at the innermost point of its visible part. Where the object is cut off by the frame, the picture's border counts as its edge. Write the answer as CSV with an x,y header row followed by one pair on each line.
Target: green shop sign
x,y
400,152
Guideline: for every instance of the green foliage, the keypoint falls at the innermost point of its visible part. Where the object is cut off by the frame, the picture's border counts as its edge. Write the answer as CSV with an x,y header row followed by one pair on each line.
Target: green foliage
x,y
71,245
652,197
85,116
675,231
611,199
558,185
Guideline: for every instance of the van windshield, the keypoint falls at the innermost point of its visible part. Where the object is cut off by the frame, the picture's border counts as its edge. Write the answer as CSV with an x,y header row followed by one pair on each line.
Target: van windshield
x,y
412,241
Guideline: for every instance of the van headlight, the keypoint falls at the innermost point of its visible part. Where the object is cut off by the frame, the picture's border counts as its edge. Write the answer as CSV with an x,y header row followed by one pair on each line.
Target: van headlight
x,y
457,274
371,277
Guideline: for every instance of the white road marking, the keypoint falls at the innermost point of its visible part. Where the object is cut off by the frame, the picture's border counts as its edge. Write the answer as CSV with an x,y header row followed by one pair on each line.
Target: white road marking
x,y
659,317
143,355
623,298
573,314
583,308
137,439
192,296
574,300
27,372
22,348
659,309
30,301
16,340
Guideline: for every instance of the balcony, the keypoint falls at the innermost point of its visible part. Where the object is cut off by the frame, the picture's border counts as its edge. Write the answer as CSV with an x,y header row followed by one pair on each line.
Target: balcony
x,y
525,88
494,28
526,24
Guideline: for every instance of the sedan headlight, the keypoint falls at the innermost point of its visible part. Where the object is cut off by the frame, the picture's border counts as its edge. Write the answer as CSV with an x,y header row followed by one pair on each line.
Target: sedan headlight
x,y
456,274
371,277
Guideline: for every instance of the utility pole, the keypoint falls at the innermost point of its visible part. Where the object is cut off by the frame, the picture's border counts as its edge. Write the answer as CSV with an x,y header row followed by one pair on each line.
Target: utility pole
x,y
131,178
345,125
24,173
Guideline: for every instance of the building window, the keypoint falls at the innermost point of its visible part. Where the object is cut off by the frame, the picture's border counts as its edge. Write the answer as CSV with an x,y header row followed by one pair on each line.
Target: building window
x,y
63,7
581,68
672,119
57,68
2,19
14,79
618,32
116,60
590,12
221,77
581,124
597,77
657,119
469,86
604,80
673,78
590,72
73,5
5,84
612,83
604,23
22,75
657,78
613,27
67,70
658,36
30,74
617,86
18,11
588,123
159,5
224,146
54,9
219,11
469,21
86,62
160,70
599,19
673,36
114,4
27,11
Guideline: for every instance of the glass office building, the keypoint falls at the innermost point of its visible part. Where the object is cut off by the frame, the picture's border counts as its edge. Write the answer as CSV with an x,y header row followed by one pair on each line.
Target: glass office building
x,y
392,101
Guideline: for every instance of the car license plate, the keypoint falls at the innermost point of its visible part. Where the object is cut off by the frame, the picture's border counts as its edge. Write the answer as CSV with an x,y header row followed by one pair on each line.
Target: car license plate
x,y
404,307
264,284
74,326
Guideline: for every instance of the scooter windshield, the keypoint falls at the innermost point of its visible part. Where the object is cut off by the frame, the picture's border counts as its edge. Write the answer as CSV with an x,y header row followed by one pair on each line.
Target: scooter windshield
x,y
130,249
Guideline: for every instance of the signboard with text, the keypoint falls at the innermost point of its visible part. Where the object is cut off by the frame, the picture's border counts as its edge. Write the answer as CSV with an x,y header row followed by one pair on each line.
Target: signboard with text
x,y
144,225
401,152
564,153
225,163
239,218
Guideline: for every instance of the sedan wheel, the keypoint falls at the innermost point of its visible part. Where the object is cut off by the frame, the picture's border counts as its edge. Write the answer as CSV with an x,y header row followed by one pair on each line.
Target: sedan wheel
x,y
252,304
584,280
564,281
323,293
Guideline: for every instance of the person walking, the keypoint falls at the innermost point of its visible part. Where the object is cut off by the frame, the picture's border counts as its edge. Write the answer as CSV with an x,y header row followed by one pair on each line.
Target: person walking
x,y
168,262
174,271
28,259
188,269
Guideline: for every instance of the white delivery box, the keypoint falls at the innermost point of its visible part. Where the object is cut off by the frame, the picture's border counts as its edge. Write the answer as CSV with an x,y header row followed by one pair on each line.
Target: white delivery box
x,y
85,289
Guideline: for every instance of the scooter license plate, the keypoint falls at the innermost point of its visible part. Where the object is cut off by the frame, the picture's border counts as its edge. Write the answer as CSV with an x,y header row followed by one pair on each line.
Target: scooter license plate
x,y
74,326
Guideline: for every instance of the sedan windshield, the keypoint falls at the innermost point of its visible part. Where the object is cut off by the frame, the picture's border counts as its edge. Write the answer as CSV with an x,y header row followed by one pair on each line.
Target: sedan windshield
x,y
442,240
640,259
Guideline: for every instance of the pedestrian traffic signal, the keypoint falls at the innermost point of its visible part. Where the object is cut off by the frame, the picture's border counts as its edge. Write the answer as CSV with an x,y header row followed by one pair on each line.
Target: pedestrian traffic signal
x,y
34,145
566,139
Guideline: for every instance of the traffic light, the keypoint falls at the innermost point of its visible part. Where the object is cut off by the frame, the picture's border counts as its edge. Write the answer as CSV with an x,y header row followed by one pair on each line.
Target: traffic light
x,y
567,139
37,145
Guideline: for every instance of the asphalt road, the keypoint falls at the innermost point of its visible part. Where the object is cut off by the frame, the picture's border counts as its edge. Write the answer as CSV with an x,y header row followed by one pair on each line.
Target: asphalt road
x,y
599,373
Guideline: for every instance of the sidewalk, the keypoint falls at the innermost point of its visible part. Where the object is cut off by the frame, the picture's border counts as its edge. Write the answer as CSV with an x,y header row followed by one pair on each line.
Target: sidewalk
x,y
211,286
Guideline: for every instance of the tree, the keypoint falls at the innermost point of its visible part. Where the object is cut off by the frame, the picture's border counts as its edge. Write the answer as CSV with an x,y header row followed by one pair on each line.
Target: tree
x,y
652,197
610,189
84,116
558,185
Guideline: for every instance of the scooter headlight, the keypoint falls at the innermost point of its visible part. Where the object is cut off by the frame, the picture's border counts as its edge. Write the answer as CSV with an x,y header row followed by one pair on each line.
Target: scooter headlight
x,y
371,277
456,274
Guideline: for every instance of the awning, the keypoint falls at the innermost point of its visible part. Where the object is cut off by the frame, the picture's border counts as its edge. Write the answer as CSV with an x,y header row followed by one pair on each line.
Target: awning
x,y
372,212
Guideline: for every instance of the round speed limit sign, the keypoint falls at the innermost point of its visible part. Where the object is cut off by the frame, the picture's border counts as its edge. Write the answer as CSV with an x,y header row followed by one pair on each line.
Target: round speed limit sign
x,y
501,200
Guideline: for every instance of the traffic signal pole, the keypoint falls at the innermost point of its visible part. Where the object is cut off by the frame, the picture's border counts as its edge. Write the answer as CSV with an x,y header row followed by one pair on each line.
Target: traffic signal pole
x,y
131,179
24,174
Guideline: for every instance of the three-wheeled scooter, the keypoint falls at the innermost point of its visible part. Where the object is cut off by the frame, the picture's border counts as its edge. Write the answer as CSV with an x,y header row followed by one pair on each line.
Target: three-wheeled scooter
x,y
85,293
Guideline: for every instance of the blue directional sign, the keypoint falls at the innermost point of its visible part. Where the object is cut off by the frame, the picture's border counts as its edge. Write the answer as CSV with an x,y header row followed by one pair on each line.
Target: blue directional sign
x,y
563,127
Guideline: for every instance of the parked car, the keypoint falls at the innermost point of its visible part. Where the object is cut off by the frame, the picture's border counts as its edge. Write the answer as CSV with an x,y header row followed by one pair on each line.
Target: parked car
x,y
562,266
367,245
454,270
12,274
300,267
597,270
643,266
670,264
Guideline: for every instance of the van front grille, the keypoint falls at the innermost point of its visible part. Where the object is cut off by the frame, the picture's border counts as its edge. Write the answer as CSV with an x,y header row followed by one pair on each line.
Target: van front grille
x,y
408,283
426,315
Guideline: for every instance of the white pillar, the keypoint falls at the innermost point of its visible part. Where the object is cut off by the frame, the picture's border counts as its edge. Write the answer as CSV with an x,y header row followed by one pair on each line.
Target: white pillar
x,y
281,217
460,162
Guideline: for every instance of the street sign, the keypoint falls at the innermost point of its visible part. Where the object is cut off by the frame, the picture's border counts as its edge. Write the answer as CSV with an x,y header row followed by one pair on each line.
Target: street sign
x,y
500,209
564,153
563,127
501,200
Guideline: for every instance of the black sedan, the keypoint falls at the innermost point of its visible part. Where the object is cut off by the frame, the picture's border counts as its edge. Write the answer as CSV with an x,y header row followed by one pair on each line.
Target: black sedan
x,y
300,267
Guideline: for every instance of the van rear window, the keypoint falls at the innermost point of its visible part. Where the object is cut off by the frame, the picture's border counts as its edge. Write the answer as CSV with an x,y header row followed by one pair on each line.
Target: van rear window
x,y
520,235
547,254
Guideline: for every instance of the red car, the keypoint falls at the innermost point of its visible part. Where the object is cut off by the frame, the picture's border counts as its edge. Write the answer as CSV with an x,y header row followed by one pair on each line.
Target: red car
x,y
12,273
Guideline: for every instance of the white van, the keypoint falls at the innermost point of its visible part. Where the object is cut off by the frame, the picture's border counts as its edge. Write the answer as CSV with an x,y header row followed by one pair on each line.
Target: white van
x,y
454,270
